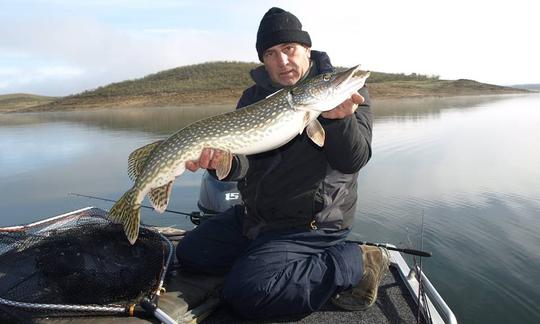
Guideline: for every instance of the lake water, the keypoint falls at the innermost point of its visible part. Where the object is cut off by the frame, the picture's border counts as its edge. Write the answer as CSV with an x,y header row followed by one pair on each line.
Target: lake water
x,y
468,166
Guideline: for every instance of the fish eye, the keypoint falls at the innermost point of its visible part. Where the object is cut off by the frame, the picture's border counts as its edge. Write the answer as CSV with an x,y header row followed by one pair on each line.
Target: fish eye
x,y
327,77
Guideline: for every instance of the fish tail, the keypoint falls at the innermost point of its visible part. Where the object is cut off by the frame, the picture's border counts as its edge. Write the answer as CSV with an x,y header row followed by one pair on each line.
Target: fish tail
x,y
126,211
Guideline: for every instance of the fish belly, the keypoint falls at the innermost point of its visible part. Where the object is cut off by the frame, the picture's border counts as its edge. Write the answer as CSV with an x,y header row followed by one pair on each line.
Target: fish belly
x,y
271,137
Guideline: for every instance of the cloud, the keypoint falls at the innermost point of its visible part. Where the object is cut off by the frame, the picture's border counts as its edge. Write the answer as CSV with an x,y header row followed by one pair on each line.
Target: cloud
x,y
40,73
112,41
90,53
45,80
482,40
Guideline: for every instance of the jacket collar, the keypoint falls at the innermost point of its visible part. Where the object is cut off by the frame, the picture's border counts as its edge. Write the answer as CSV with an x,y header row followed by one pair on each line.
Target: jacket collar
x,y
320,63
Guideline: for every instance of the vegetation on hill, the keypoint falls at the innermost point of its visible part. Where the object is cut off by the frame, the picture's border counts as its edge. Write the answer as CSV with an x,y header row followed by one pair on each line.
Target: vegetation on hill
x,y
209,76
16,101
223,82
206,76
435,87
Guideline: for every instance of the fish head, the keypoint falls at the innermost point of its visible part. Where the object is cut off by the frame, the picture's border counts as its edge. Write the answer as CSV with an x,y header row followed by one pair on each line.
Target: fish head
x,y
326,91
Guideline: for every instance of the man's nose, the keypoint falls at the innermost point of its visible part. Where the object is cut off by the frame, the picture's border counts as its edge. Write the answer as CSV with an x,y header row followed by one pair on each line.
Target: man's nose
x,y
283,59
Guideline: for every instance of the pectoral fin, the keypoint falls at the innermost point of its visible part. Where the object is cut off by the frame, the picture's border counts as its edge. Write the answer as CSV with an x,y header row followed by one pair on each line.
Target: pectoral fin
x,y
304,108
315,132
159,197
224,165
137,159
305,122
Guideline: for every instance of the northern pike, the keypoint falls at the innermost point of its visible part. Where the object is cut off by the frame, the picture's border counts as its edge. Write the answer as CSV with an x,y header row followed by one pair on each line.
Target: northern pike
x,y
262,126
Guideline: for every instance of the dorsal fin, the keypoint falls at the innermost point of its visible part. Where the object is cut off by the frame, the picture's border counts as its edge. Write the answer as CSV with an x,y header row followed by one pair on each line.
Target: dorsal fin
x,y
137,159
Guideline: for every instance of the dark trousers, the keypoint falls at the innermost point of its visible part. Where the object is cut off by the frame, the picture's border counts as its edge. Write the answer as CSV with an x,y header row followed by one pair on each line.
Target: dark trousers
x,y
279,273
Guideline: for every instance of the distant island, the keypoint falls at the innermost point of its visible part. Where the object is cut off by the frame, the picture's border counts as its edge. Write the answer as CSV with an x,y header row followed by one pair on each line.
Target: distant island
x,y
223,83
532,87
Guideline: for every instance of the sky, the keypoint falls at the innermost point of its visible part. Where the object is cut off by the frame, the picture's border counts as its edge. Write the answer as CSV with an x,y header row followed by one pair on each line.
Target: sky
x,y
62,47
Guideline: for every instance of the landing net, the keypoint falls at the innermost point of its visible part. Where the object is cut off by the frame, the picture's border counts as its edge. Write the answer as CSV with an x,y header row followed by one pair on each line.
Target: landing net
x,y
78,264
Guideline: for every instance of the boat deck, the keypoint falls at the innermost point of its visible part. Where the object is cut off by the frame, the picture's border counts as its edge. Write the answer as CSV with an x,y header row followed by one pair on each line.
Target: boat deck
x,y
394,305
192,298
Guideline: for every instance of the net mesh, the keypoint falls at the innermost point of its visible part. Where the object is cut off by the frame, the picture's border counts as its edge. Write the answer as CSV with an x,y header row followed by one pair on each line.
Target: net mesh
x,y
77,259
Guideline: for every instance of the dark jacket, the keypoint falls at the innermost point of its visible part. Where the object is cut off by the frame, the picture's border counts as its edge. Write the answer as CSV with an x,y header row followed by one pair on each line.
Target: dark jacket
x,y
300,184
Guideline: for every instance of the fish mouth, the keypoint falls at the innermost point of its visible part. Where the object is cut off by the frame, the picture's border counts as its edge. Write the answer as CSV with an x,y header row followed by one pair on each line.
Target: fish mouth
x,y
351,80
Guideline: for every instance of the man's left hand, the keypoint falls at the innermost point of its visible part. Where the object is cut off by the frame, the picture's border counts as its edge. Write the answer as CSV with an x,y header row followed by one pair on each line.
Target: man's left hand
x,y
346,108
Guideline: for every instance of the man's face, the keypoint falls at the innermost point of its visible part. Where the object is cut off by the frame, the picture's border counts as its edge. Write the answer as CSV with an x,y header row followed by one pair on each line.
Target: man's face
x,y
287,63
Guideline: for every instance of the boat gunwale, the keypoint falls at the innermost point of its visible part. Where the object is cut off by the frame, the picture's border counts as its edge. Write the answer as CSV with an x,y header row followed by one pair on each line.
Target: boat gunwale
x,y
437,307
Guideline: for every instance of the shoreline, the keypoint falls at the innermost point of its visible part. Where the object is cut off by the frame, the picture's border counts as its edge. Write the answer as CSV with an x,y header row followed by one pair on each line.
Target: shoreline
x,y
378,92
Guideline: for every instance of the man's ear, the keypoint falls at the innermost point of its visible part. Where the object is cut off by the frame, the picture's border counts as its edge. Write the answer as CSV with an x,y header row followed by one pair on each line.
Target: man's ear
x,y
308,49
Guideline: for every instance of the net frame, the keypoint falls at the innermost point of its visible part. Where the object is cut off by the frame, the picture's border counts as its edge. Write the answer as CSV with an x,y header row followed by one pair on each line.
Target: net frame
x,y
65,221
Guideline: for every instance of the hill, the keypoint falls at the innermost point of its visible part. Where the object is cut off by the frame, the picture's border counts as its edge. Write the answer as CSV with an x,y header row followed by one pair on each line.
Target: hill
x,y
17,101
436,88
223,82
533,87
216,82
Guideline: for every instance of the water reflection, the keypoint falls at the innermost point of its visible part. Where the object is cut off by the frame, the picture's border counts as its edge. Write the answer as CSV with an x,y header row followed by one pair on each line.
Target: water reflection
x,y
420,108
166,120
157,120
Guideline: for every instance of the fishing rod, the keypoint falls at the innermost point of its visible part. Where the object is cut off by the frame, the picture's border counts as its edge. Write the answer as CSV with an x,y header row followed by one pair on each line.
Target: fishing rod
x,y
393,248
196,217
193,215
421,292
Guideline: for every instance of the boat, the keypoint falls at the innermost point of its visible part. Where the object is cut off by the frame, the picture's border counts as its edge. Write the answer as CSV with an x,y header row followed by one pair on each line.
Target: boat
x,y
405,295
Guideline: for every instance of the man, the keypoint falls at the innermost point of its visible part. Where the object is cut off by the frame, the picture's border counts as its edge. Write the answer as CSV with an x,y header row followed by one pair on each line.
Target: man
x,y
284,249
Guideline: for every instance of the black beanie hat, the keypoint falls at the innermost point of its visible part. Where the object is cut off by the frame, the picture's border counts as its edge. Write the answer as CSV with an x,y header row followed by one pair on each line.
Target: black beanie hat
x,y
279,26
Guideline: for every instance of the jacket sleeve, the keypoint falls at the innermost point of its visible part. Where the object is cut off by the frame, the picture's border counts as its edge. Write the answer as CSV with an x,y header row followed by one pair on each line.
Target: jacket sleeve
x,y
348,141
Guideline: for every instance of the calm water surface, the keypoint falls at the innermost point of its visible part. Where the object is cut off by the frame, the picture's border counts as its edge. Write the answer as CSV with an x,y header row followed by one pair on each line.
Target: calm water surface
x,y
468,166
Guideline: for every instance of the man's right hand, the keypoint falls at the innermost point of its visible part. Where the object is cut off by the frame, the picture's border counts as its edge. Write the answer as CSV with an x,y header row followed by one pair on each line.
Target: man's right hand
x,y
208,160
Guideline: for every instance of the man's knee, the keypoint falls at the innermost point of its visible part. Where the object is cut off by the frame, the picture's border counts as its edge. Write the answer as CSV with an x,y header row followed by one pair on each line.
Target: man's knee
x,y
188,257
212,247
